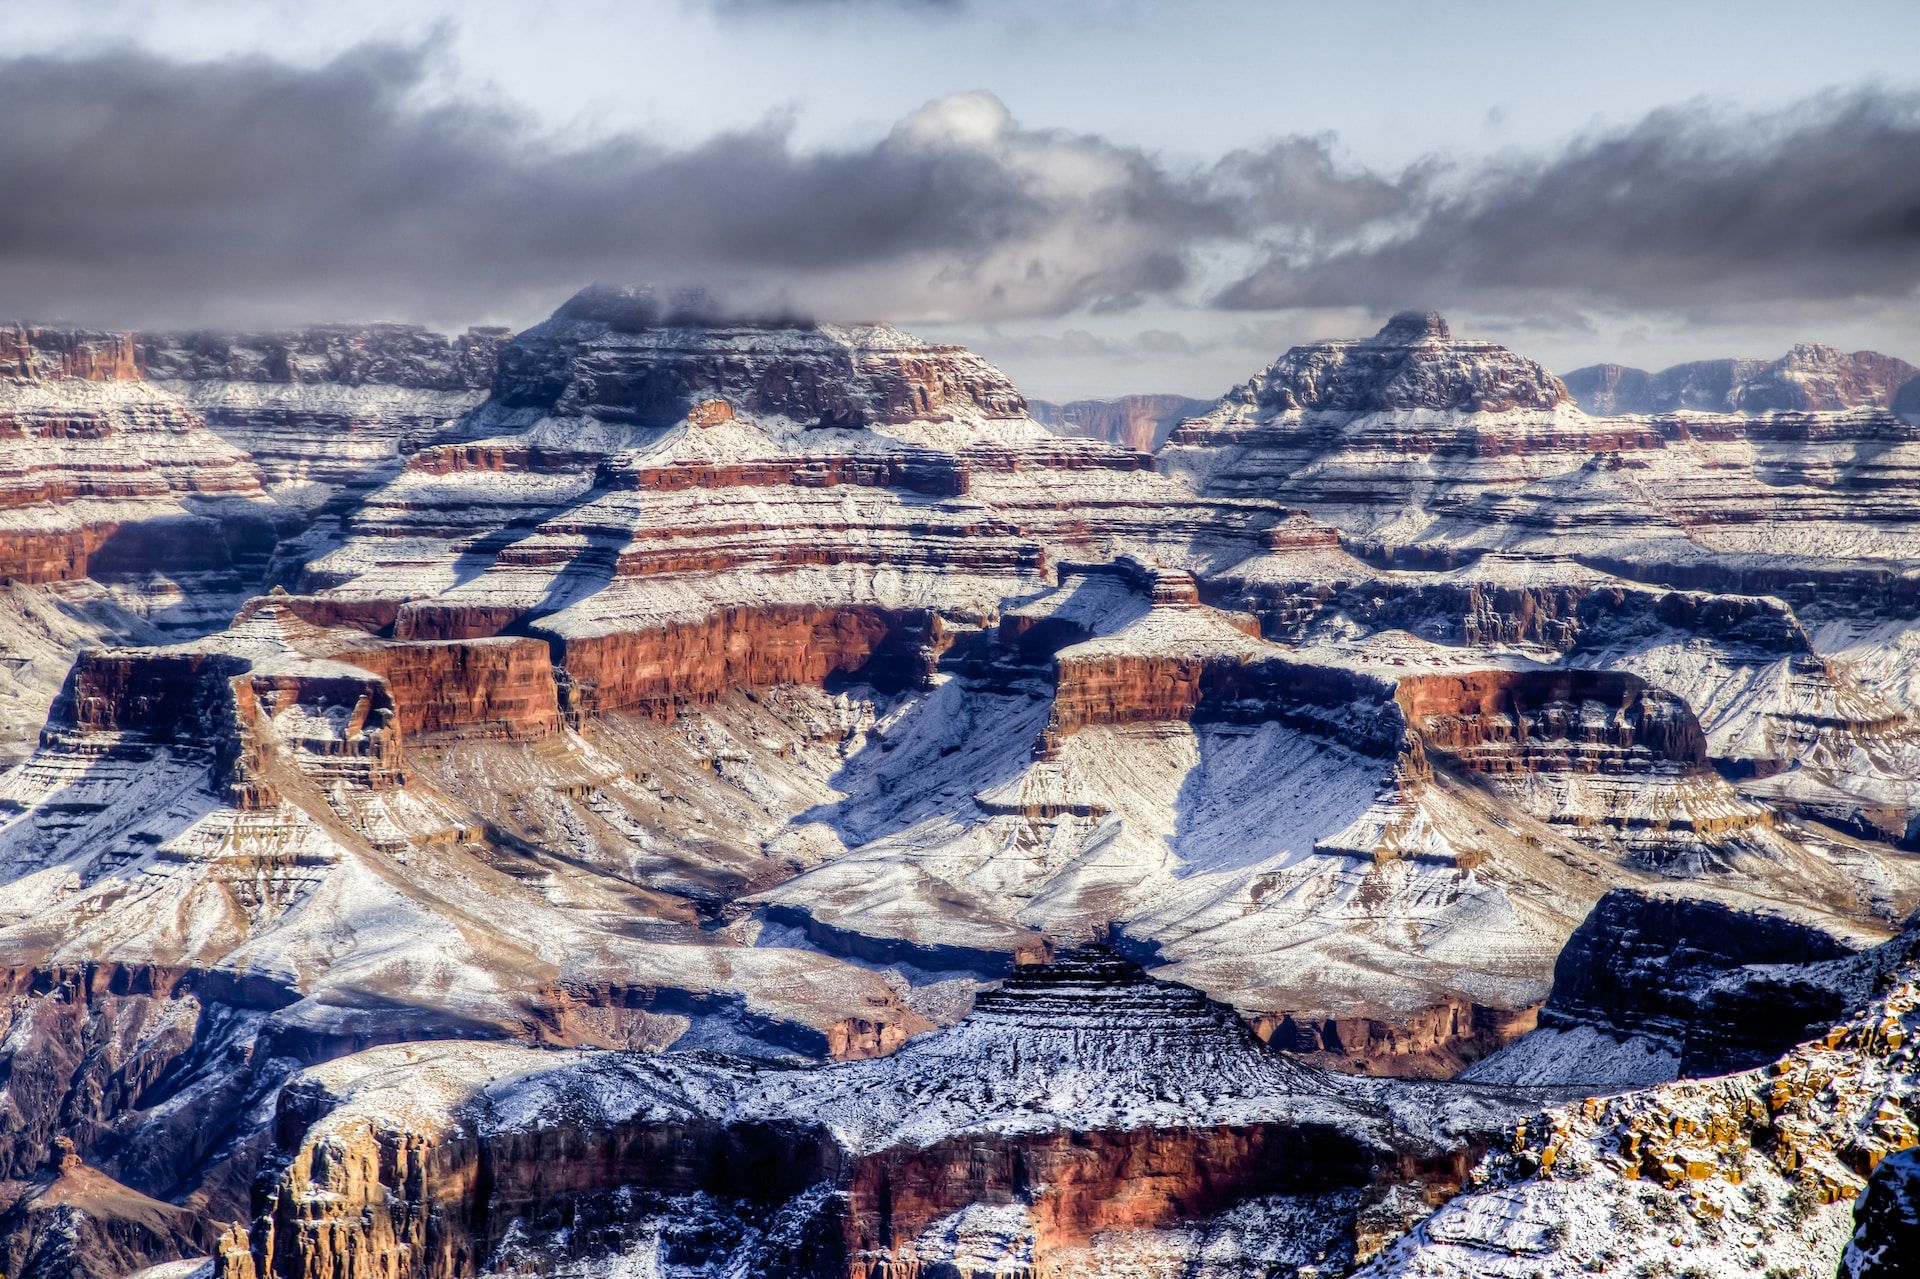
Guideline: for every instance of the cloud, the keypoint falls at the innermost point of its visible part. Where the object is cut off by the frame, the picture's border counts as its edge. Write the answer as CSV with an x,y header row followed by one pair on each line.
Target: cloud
x,y
142,189
1690,209
757,8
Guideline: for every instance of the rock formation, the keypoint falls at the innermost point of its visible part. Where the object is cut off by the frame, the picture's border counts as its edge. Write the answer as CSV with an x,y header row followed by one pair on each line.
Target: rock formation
x,y
768,692
1080,1114
1808,377
1751,1172
1140,422
1886,1237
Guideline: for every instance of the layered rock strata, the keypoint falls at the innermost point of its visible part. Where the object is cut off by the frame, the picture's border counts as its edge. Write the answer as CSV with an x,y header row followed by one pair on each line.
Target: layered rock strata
x,y
1677,984
1810,376
333,406
1079,1103
103,475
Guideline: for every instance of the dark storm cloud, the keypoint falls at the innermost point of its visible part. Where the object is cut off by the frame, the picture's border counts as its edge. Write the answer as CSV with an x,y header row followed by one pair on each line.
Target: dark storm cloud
x,y
142,189
1688,210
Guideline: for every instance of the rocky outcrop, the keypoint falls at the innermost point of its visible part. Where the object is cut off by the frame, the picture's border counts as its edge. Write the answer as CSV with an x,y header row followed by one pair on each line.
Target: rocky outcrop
x,y
659,504
1113,688
1551,721
403,355
1711,1173
34,354
1810,377
326,412
767,688
1798,502
662,671
1719,986
241,710
102,475
1436,1042
1177,660
339,703
73,1222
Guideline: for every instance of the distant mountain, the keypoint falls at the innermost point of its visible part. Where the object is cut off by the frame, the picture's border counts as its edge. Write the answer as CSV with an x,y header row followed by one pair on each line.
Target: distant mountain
x,y
1810,377
1136,421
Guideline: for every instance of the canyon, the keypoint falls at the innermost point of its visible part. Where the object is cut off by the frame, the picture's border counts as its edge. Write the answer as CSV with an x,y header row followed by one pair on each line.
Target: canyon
x,y
664,793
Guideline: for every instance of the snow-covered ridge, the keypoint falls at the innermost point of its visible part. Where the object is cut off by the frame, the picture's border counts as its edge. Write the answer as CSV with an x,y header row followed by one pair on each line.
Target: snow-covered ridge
x,y
1412,362
396,355
1810,376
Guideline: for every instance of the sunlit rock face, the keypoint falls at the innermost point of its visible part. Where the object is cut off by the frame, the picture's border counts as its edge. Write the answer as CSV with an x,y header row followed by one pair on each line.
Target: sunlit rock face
x,y
1710,1173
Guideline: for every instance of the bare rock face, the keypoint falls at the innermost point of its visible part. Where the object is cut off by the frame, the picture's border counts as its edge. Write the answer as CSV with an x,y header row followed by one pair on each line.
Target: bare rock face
x,y
1691,985
401,355
1809,378
1560,721
1436,1042
72,1220
1140,422
33,354
766,690
106,477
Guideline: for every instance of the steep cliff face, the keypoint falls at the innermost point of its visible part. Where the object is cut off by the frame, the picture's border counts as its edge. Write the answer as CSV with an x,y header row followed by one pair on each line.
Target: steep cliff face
x,y
1423,474
624,357
1552,721
693,506
1082,1111
326,413
1140,422
1676,984
401,355
34,354
772,688
121,515
103,475
1810,377
1733,562
72,1220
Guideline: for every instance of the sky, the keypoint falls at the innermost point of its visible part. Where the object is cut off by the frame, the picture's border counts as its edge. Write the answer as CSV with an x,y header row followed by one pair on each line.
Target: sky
x,y
1103,196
